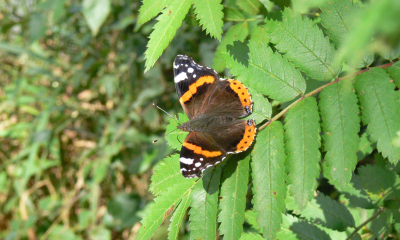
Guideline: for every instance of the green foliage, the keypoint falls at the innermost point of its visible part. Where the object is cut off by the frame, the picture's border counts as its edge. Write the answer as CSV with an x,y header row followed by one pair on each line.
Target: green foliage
x,y
380,109
204,206
304,45
339,112
209,13
269,179
302,143
233,197
77,125
164,30
277,77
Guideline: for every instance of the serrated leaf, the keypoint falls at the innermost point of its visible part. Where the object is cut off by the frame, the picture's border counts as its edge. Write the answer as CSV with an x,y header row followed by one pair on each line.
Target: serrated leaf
x,y
251,7
379,181
329,213
259,35
150,9
177,218
251,236
174,136
338,18
259,68
262,108
162,207
95,13
204,206
209,13
268,174
304,45
302,147
232,14
394,72
293,228
233,196
356,197
341,124
237,32
166,174
380,109
164,30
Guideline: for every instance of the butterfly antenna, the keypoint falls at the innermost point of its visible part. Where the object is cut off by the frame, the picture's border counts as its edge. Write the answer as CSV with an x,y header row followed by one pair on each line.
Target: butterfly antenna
x,y
171,117
166,113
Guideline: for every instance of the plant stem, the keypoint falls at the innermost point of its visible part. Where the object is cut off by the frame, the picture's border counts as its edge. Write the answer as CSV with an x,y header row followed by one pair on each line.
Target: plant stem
x,y
277,116
366,222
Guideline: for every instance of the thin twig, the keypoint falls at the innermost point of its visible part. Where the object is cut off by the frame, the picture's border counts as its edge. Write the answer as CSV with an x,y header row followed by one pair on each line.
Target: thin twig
x,y
379,212
280,114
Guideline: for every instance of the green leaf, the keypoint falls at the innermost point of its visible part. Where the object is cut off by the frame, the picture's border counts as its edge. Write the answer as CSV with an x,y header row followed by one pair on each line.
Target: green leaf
x,y
262,108
204,206
259,68
250,236
304,6
177,218
209,13
268,174
95,13
251,7
293,228
268,4
162,207
164,30
174,136
237,32
166,174
37,26
356,197
233,196
341,124
150,9
380,182
380,109
329,213
365,147
394,72
302,143
251,218
304,45
336,17
380,226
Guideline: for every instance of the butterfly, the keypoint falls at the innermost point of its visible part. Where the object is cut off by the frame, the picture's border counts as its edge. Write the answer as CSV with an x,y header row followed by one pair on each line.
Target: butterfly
x,y
214,106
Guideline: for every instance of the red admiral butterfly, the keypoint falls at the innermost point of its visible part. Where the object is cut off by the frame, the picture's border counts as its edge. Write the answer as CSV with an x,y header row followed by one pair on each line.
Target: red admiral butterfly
x,y
214,106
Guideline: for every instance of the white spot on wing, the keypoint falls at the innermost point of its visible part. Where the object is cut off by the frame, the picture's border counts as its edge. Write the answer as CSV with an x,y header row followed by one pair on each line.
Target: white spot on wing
x,y
201,159
197,164
187,161
180,77
190,70
194,75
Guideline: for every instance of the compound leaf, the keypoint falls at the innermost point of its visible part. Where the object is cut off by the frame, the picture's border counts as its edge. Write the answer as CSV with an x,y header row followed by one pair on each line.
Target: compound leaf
x,y
150,9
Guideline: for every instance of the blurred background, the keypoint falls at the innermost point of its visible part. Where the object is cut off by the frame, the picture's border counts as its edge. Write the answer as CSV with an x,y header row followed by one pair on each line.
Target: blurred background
x,y
76,116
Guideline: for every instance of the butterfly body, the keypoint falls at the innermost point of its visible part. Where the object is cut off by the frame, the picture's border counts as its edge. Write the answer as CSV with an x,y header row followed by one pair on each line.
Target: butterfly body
x,y
214,106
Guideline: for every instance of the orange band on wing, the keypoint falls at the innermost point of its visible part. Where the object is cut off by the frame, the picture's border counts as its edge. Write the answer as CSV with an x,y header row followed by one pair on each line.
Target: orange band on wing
x,y
193,87
242,92
248,138
198,150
